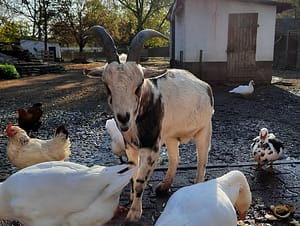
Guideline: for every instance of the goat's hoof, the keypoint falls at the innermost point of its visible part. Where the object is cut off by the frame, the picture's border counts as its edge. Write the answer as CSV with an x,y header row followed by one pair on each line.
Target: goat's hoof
x,y
133,217
162,189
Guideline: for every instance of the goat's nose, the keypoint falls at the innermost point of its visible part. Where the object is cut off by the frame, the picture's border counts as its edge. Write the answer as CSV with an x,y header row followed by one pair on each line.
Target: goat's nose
x,y
123,118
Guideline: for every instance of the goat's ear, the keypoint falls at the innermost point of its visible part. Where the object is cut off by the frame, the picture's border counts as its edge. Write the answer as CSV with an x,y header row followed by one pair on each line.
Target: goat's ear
x,y
149,72
94,72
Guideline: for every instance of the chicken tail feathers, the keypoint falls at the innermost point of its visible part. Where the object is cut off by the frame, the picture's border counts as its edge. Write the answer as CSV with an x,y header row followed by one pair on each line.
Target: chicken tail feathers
x,y
62,129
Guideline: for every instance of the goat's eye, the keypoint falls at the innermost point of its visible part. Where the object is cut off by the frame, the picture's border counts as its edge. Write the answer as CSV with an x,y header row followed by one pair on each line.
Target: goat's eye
x,y
138,90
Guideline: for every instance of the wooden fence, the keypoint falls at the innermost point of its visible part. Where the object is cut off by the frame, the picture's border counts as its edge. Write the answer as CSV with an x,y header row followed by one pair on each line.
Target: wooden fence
x,y
69,55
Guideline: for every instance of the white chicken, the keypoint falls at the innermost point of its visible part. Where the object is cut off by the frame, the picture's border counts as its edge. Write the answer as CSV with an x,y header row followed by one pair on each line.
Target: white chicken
x,y
23,151
266,148
244,90
117,140
209,203
63,193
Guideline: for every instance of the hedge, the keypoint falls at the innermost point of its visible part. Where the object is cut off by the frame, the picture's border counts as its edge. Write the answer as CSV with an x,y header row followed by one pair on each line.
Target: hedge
x,y
8,71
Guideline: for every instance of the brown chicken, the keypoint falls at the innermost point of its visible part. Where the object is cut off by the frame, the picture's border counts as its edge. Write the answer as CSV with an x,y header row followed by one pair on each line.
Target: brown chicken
x,y
29,119
23,151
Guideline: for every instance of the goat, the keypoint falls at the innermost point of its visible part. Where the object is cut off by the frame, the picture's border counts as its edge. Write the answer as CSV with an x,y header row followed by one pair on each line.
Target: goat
x,y
167,109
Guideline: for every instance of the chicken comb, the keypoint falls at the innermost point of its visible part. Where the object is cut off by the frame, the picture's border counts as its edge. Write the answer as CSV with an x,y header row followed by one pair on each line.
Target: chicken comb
x,y
8,127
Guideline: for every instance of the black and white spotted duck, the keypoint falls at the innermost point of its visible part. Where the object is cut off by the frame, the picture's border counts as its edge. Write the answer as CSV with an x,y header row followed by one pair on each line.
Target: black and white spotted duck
x,y
266,149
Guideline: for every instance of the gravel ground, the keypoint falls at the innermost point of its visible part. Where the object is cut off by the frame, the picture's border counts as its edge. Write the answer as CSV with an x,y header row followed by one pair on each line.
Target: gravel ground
x,y
80,104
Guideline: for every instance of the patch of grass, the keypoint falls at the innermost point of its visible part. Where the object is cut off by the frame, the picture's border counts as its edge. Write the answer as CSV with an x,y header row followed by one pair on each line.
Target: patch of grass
x,y
8,71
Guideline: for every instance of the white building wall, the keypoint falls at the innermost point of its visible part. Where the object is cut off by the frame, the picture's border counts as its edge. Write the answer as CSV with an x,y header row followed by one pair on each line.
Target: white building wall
x,y
180,35
266,34
37,46
203,25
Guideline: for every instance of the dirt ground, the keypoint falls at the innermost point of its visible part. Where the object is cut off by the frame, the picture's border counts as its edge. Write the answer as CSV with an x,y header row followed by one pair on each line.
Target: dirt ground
x,y
235,123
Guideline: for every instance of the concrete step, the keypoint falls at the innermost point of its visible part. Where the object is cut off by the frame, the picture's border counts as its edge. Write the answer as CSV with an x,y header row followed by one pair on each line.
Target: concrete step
x,y
38,69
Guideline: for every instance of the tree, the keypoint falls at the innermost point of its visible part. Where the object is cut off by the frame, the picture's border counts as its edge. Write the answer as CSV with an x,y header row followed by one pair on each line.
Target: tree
x,y
38,12
157,22
77,16
292,13
67,21
11,31
71,21
144,10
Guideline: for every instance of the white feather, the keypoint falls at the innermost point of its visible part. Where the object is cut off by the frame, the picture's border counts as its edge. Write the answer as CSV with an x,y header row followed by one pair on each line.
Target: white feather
x,y
208,203
244,90
63,193
123,58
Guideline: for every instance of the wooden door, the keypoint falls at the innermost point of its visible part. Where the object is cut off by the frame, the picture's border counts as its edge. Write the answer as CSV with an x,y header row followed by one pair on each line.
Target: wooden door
x,y
241,46
291,50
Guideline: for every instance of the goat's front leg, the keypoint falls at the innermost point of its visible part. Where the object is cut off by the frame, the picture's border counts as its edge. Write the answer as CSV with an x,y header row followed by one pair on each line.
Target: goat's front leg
x,y
147,163
133,158
173,156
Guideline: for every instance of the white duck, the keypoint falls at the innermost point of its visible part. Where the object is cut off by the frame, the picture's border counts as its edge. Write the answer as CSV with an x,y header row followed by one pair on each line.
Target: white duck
x,y
244,90
266,148
117,140
63,193
209,203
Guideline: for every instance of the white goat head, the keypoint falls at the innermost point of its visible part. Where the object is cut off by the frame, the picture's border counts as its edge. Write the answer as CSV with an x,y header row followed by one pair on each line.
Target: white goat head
x,y
124,80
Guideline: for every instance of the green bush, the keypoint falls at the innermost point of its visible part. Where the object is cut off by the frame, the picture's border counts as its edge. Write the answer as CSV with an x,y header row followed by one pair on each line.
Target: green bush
x,y
8,71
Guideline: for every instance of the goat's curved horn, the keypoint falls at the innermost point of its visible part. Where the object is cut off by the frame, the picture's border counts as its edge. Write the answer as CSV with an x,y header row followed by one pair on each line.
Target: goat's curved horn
x,y
109,46
138,42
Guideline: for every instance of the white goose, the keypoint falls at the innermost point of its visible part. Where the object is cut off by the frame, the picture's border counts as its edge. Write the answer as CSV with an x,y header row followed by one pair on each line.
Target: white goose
x,y
63,193
209,203
244,90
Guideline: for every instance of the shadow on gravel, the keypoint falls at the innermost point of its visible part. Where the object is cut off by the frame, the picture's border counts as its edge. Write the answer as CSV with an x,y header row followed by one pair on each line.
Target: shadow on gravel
x,y
67,91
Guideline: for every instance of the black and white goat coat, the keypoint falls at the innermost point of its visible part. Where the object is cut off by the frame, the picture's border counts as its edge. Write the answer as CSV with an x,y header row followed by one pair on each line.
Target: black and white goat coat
x,y
170,108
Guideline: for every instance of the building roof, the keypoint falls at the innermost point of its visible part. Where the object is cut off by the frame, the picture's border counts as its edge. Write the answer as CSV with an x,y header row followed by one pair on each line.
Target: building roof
x,y
280,6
